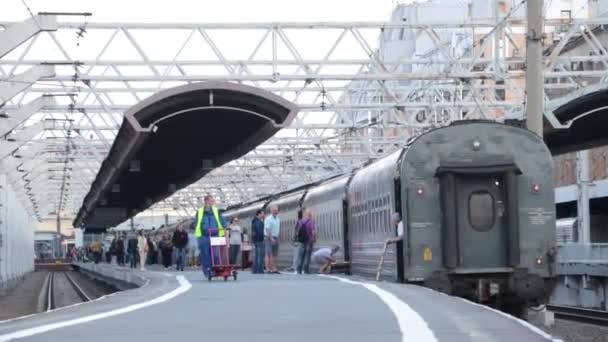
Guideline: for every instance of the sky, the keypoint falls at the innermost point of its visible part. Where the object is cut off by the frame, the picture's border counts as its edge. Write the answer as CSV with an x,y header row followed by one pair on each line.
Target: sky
x,y
208,10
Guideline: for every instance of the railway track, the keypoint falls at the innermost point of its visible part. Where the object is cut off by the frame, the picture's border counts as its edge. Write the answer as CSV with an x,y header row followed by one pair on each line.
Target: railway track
x,y
596,317
62,290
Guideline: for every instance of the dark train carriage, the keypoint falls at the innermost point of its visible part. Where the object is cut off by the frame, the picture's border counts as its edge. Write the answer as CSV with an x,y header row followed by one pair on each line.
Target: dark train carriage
x,y
478,204
371,201
328,204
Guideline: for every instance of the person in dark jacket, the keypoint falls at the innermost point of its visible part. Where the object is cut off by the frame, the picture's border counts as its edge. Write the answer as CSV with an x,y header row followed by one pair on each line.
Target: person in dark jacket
x,y
151,251
120,251
132,250
257,237
306,237
166,249
180,241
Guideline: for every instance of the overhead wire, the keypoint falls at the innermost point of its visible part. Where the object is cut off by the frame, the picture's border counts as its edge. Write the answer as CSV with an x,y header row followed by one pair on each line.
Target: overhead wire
x,y
31,14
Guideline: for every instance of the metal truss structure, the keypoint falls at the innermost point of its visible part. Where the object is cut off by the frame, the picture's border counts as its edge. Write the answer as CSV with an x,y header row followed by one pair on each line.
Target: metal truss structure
x,y
65,82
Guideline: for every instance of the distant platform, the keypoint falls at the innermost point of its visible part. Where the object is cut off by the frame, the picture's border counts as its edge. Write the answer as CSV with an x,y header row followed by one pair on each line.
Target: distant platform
x,y
52,265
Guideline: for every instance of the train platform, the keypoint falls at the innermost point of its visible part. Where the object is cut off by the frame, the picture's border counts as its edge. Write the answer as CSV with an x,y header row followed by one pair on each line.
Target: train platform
x,y
286,307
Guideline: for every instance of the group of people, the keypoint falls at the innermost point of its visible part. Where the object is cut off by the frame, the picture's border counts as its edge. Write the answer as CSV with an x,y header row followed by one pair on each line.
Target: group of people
x,y
265,232
142,249
209,223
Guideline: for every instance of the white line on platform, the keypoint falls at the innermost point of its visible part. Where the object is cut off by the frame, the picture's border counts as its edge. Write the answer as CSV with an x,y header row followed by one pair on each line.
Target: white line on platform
x,y
412,326
184,285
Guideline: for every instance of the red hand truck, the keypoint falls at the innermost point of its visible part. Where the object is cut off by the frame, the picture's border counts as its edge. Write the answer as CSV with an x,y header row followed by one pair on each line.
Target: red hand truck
x,y
220,266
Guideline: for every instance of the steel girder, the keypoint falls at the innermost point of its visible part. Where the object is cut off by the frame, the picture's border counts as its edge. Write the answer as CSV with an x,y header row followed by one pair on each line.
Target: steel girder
x,y
358,105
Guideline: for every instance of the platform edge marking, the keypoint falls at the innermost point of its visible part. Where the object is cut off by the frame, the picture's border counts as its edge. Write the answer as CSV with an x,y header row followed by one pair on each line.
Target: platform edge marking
x,y
411,325
184,286
526,324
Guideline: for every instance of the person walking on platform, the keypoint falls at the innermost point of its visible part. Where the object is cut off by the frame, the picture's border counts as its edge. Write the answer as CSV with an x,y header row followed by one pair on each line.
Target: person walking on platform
x,y
180,242
257,237
307,238
142,246
150,259
95,248
120,251
132,251
205,218
235,240
166,249
272,227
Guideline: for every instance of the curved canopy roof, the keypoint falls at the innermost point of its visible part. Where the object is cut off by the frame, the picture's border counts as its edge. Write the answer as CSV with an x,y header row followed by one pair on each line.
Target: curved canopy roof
x,y
174,138
586,118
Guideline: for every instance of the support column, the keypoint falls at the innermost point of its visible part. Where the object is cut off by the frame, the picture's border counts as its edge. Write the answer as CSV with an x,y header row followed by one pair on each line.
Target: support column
x,y
582,183
16,34
535,96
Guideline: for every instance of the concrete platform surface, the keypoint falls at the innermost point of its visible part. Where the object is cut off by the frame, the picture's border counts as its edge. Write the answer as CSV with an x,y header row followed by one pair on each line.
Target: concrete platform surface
x,y
186,307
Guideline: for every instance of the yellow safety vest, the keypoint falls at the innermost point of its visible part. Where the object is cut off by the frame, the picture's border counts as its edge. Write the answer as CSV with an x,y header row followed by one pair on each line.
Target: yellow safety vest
x,y
199,219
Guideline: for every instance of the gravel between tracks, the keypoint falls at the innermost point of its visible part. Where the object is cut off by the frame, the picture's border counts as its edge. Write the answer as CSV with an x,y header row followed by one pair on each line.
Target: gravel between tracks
x,y
570,331
23,299
64,292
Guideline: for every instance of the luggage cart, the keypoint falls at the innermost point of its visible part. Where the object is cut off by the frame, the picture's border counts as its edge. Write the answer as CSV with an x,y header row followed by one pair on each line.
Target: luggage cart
x,y
220,266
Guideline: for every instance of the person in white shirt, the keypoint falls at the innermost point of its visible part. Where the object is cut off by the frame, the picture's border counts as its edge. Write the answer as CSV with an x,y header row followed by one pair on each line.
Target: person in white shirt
x,y
397,223
272,229
235,240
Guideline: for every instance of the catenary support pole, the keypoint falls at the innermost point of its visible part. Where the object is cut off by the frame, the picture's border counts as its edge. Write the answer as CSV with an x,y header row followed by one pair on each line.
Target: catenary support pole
x,y
582,182
534,67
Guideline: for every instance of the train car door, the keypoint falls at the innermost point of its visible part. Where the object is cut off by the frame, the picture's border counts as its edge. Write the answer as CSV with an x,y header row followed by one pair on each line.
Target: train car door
x,y
482,224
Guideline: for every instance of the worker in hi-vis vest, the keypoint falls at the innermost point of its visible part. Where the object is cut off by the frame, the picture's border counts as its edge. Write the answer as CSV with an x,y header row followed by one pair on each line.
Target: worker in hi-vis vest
x,y
207,217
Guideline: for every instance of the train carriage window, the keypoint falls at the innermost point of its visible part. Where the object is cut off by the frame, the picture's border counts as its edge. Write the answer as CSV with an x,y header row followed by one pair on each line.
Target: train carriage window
x,y
340,223
336,225
482,211
370,219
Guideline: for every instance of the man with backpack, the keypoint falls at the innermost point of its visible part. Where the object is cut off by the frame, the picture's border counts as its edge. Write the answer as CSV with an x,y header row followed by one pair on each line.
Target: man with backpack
x,y
95,248
306,237
296,243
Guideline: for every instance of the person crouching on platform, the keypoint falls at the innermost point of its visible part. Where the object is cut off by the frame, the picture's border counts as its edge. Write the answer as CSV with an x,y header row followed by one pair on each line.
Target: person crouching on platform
x,y
207,217
324,257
